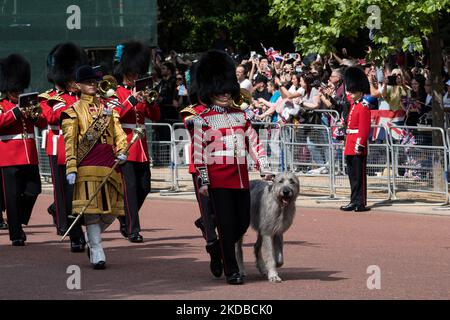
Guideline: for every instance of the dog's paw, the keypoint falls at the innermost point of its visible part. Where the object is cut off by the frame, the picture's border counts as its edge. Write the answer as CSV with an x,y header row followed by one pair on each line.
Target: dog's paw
x,y
273,277
261,268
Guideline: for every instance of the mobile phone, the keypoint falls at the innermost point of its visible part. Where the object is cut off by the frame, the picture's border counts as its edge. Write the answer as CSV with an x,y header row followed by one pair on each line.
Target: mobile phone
x,y
182,90
143,83
28,99
292,55
298,69
392,80
252,54
380,75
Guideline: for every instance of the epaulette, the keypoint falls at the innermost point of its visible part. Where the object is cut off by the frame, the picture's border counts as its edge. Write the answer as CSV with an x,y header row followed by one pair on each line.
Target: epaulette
x,y
57,97
190,111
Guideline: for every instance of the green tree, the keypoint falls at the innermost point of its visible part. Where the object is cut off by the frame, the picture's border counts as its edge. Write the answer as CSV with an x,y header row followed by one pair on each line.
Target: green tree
x,y
192,25
320,24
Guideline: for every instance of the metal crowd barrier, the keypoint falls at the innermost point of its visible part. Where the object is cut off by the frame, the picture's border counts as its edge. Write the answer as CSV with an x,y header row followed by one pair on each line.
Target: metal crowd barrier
x,y
393,166
182,142
378,167
270,138
161,146
308,153
44,163
418,166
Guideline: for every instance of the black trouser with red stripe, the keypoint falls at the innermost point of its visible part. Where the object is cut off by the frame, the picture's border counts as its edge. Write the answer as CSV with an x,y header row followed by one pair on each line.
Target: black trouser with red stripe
x,y
206,213
21,187
62,205
136,179
63,197
356,168
232,211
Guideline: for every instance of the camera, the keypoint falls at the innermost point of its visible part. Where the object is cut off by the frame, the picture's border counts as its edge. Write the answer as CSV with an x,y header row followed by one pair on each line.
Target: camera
x,y
392,80
317,83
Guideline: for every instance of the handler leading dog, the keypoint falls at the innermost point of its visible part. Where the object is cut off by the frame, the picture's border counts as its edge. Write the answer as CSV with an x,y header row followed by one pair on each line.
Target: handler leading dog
x,y
272,213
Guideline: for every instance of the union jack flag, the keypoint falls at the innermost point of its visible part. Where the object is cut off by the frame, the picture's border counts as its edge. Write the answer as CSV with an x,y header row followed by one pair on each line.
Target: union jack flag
x,y
388,119
272,54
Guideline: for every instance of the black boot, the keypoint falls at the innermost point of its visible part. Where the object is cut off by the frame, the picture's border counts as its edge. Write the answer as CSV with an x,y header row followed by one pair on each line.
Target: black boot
x,y
3,224
216,258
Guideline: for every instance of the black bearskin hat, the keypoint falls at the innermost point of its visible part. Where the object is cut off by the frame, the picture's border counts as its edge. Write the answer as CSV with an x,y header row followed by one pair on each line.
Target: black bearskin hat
x,y
215,74
133,57
356,80
15,74
63,61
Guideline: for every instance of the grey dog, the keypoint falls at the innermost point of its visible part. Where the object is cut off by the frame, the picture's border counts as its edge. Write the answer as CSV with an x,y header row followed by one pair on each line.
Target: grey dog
x,y
272,213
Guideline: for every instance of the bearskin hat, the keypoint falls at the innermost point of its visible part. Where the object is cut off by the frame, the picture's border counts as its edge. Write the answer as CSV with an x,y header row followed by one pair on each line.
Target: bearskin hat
x,y
63,61
215,74
133,58
356,80
15,74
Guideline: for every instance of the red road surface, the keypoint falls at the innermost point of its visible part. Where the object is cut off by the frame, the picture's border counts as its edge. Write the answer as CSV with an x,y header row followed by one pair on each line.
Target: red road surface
x,y
327,253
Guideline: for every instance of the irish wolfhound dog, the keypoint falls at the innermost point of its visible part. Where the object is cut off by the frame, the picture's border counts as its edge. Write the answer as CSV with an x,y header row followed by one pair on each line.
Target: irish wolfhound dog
x,y
272,213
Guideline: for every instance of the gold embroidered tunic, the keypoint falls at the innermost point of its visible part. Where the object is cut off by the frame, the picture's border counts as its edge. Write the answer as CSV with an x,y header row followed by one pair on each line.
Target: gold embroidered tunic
x,y
98,162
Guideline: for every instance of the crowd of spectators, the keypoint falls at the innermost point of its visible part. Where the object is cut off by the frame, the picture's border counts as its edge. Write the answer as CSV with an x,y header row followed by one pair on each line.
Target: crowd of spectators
x,y
286,90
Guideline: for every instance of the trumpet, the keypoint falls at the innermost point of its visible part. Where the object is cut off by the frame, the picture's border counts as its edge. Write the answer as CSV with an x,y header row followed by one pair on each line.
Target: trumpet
x,y
151,95
107,90
245,100
107,87
32,111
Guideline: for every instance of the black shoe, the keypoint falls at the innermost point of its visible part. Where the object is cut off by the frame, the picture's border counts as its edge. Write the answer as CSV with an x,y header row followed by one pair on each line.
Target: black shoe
x,y
99,265
3,225
77,245
216,259
123,231
361,209
136,238
51,211
18,243
235,278
199,224
61,231
349,207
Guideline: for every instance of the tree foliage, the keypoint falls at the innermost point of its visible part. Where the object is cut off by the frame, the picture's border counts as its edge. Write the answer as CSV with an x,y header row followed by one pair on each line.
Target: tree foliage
x,y
320,24
192,25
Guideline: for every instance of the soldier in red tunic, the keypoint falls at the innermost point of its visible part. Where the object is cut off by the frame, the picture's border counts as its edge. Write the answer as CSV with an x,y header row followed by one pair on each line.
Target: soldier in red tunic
x,y
134,62
62,63
357,135
19,159
3,224
222,137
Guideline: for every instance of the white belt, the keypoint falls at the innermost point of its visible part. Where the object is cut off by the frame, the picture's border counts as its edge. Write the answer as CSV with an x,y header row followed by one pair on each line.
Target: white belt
x,y
349,131
16,137
227,153
132,126
55,128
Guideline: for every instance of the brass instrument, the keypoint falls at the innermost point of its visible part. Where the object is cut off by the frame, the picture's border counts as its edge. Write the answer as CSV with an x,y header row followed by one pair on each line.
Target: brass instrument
x,y
151,95
107,87
245,100
30,106
33,111
107,90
